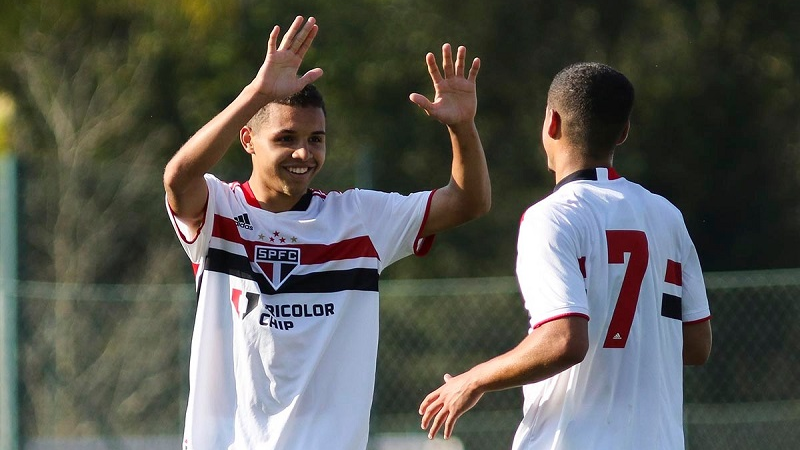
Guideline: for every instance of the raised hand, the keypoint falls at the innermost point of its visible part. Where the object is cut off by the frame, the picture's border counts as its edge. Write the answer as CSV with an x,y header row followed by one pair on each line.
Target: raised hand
x,y
277,78
455,98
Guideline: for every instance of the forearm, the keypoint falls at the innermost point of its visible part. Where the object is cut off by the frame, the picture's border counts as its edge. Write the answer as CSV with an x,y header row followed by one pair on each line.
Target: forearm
x,y
530,362
183,175
469,172
696,342
468,195
206,147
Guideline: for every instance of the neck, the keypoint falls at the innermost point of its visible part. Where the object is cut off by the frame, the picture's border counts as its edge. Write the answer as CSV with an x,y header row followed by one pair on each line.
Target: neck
x,y
274,201
571,163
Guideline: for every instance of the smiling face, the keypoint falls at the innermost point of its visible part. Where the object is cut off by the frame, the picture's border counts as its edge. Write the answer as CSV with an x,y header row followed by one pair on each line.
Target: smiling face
x,y
288,149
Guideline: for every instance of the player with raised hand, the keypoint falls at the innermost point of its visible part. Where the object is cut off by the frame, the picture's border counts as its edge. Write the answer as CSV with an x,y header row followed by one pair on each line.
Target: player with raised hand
x,y
613,288
455,105
286,330
276,79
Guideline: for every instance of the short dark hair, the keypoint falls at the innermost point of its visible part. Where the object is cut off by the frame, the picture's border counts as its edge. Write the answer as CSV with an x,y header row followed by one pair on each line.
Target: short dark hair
x,y
308,97
595,102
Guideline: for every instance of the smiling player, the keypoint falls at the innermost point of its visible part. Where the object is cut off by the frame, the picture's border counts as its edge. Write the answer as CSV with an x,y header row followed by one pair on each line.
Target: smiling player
x,y
286,332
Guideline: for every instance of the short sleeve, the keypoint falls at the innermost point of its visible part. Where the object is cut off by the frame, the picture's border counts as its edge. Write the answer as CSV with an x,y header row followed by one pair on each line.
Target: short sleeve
x,y
393,221
196,247
695,298
548,268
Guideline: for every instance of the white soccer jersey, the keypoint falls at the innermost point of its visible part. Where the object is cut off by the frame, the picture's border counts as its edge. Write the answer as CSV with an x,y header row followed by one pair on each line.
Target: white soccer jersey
x,y
286,332
607,249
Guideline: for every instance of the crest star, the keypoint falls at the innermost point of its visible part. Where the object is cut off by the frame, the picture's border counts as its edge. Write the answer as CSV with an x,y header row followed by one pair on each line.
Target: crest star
x,y
294,239
261,236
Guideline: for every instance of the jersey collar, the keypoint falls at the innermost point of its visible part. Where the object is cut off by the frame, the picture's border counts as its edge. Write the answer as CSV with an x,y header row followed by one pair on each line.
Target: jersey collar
x,y
593,174
251,199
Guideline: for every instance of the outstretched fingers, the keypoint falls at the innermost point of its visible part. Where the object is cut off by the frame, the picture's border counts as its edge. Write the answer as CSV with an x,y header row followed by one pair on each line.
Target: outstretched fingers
x,y
447,61
461,54
278,76
299,36
308,38
454,101
473,70
433,68
436,76
272,44
297,39
457,69
289,37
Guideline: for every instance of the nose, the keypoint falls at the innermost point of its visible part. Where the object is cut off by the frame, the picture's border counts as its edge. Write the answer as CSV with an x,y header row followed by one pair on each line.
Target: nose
x,y
301,153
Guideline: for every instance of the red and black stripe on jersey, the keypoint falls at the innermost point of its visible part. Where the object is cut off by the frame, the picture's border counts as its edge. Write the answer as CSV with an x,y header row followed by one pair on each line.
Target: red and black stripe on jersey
x,y
671,304
361,279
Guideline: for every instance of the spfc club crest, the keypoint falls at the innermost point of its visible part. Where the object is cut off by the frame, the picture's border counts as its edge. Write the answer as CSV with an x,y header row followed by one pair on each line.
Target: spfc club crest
x,y
277,263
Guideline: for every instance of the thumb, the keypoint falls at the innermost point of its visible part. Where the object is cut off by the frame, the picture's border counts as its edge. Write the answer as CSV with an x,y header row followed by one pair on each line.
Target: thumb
x,y
311,76
447,377
421,101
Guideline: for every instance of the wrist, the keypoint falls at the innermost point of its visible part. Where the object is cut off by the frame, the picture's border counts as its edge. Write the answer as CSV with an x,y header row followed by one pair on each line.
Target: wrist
x,y
252,94
462,128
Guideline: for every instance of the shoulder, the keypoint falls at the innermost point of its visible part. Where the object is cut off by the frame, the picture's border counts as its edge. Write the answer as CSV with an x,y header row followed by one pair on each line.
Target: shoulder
x,y
220,186
368,195
658,202
332,198
559,207
552,219
232,193
351,200
212,179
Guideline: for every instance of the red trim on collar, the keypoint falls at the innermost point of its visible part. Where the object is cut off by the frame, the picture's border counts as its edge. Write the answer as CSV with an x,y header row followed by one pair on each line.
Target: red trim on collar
x,y
249,196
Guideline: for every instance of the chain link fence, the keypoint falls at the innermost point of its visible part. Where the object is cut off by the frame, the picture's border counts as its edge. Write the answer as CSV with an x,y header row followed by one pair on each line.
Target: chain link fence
x,y
105,367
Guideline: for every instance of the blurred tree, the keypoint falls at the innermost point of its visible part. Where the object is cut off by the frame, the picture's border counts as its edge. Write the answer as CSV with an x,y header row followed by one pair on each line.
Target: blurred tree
x,y
716,127
82,77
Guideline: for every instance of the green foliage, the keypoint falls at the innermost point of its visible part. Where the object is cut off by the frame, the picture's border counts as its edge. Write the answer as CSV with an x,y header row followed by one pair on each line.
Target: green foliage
x,y
720,81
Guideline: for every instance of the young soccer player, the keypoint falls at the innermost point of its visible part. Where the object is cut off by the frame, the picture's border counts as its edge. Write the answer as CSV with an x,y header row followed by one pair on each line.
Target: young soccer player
x,y
286,332
613,287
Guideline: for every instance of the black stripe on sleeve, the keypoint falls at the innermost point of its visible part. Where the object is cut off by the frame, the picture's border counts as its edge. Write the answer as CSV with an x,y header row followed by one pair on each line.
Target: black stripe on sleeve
x,y
671,307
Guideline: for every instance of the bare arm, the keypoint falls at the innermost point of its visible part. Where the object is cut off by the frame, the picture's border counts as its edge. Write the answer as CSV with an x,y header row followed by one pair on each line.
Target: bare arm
x,y
468,194
696,343
276,79
546,351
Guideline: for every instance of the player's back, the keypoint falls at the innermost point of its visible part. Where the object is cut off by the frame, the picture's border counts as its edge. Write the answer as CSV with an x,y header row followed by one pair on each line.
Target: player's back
x,y
627,250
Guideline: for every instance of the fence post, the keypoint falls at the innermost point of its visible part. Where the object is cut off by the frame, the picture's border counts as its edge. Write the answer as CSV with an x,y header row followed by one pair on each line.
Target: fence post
x,y
9,416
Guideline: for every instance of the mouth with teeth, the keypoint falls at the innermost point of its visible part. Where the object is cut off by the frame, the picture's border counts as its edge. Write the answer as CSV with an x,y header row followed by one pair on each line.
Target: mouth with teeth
x,y
299,170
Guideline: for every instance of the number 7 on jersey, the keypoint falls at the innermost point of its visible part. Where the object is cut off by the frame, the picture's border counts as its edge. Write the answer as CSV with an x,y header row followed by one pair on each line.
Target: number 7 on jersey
x,y
620,242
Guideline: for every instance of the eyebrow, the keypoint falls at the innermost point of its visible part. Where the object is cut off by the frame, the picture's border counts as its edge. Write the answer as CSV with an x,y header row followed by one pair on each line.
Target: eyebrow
x,y
288,131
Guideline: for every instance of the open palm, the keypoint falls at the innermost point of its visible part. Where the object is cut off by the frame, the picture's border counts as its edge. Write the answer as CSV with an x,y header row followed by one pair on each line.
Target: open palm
x,y
277,77
455,99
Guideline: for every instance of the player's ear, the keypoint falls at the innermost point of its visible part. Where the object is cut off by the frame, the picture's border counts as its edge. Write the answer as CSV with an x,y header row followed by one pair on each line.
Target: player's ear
x,y
246,138
624,134
553,123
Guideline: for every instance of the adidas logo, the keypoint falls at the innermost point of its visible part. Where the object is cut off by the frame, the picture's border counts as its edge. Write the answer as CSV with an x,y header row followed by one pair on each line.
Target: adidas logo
x,y
243,222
